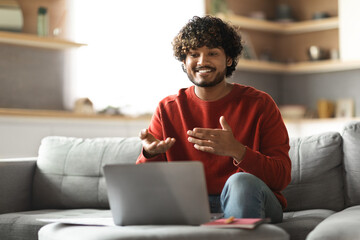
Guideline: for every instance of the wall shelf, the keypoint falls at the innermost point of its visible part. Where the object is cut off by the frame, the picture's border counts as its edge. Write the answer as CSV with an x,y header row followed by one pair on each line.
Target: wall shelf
x,y
301,67
282,28
31,40
260,66
287,44
42,113
297,68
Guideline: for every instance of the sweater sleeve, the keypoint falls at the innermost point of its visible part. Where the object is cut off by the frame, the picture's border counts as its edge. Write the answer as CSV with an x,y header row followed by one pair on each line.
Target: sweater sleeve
x,y
143,159
270,162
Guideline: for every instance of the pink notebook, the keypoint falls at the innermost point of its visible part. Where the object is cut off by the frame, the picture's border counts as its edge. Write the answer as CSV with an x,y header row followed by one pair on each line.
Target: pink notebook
x,y
246,223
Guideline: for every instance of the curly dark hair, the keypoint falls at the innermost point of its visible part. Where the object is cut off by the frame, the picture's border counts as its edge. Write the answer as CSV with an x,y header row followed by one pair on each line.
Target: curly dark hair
x,y
211,32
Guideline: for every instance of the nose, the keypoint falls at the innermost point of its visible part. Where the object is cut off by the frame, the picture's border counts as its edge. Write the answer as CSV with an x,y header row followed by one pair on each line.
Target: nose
x,y
202,60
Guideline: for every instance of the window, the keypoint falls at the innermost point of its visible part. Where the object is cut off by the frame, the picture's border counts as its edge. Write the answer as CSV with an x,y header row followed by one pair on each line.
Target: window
x,y
128,62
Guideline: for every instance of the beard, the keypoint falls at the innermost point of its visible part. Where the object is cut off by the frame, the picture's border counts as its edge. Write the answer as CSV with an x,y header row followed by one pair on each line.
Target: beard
x,y
219,77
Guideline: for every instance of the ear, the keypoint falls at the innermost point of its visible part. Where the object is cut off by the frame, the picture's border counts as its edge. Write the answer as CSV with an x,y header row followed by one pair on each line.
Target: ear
x,y
183,66
229,61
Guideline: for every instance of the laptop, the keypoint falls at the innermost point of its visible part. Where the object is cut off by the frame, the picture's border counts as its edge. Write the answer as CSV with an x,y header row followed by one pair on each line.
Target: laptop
x,y
159,193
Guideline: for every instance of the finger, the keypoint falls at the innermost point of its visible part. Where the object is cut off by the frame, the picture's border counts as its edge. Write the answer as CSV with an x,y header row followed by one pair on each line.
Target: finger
x,y
143,133
166,144
161,144
224,124
201,142
151,146
173,140
167,141
204,148
170,142
204,133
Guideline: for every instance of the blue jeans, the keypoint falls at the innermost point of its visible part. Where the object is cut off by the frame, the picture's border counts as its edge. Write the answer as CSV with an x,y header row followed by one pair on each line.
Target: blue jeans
x,y
246,196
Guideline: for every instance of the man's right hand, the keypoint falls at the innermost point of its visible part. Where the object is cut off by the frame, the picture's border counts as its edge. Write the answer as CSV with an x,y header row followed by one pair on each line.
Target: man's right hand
x,y
153,146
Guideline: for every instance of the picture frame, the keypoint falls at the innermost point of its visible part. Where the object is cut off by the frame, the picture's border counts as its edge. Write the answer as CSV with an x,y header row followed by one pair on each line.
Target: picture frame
x,y
345,108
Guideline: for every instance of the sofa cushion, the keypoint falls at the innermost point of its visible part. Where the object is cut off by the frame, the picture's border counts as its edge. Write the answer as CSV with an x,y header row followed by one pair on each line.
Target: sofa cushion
x,y
300,223
69,170
341,225
24,225
351,147
316,175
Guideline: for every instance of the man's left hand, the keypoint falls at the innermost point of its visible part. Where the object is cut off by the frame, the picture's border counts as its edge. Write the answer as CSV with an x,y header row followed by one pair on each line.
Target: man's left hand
x,y
217,141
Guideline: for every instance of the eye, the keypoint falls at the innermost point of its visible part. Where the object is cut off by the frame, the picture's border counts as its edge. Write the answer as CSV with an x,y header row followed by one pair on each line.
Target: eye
x,y
194,55
213,53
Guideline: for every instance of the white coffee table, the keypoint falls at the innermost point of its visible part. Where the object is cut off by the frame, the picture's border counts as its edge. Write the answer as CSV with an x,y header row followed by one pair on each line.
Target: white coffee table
x,y
60,231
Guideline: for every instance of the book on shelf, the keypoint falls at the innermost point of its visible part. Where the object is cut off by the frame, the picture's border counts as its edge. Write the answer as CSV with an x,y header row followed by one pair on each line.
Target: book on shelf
x,y
245,223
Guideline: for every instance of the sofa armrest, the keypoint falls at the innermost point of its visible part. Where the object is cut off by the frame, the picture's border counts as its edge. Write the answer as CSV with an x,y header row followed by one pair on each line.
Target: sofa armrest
x,y
16,176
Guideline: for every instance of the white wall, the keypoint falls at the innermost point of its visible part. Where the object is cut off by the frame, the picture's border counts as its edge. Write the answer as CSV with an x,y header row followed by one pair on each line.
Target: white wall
x,y
349,29
21,136
129,60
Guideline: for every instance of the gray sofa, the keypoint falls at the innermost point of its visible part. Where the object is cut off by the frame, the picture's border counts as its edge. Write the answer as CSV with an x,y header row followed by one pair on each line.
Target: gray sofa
x,y
66,181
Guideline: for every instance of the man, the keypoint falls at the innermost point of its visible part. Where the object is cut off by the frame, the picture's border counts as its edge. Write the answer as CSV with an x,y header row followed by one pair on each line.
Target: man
x,y
236,131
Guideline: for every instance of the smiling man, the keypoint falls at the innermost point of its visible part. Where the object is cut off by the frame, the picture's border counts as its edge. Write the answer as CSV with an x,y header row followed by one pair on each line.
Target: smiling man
x,y
236,131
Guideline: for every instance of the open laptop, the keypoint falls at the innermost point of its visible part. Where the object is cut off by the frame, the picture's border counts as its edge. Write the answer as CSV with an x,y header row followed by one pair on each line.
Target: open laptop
x,y
159,193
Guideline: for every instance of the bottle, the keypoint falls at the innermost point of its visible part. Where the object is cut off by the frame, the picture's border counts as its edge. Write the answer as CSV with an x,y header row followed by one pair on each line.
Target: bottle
x,y
43,22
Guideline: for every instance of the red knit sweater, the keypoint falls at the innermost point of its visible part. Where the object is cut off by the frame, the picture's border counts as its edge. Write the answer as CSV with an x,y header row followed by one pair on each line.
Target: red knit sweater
x,y
255,121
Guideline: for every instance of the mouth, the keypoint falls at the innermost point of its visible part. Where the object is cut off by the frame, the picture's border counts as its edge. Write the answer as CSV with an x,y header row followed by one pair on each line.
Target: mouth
x,y
203,70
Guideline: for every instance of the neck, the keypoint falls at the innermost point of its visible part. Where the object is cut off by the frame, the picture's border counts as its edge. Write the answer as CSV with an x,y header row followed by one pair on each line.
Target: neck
x,y
213,93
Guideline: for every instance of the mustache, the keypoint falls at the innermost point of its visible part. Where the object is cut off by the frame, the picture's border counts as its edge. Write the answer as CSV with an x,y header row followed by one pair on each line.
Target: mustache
x,y
204,67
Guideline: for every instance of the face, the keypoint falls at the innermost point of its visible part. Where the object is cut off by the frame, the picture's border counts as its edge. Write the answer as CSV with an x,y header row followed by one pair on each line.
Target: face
x,y
206,67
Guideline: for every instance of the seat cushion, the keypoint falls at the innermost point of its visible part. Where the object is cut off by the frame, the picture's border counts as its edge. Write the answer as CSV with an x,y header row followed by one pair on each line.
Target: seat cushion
x,y
351,139
299,224
343,225
316,174
24,225
69,170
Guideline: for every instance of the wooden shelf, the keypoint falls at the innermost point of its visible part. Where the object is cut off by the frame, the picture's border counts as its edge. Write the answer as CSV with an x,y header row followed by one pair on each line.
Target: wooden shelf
x,y
286,42
322,66
16,112
282,28
260,66
297,68
31,40
319,120
303,27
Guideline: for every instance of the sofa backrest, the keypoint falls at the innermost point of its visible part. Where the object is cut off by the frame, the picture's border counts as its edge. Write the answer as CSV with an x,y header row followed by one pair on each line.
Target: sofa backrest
x,y
69,170
351,147
317,178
